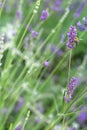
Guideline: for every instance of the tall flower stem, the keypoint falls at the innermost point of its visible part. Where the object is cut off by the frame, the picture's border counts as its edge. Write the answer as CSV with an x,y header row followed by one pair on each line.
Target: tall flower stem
x,y
70,56
69,65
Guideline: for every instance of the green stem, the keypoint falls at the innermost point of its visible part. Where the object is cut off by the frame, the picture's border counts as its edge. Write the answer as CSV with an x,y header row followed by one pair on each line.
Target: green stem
x,y
70,56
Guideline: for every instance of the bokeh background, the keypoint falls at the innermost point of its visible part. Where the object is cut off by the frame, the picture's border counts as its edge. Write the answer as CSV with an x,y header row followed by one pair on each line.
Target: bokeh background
x,y
34,67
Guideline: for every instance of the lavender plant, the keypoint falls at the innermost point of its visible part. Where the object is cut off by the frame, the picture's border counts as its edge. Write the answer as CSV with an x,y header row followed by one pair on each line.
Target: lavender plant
x,y
43,65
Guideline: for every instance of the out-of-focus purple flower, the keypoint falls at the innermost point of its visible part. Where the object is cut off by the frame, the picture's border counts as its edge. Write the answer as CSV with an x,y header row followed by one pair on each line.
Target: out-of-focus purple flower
x,y
56,50
85,22
57,6
82,118
19,104
53,48
62,38
59,2
80,26
34,34
0,4
19,127
71,87
73,128
74,5
4,110
86,97
72,34
59,52
37,120
44,15
84,26
46,63
14,32
40,107
57,9
19,14
80,9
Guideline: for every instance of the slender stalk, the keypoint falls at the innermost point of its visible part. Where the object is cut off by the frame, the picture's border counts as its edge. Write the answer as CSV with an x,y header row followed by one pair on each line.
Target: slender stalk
x,y
70,56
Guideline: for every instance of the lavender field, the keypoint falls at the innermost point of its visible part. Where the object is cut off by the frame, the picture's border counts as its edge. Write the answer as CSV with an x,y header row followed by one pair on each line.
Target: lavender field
x,y
43,64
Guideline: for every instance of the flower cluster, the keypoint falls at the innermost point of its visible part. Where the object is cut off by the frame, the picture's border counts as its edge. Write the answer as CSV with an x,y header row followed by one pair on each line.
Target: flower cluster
x,y
82,117
71,87
44,15
83,26
34,34
80,9
72,35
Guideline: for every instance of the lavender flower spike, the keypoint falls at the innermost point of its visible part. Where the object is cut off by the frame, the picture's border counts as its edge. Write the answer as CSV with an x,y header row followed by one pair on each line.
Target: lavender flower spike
x,y
80,26
44,15
72,35
71,87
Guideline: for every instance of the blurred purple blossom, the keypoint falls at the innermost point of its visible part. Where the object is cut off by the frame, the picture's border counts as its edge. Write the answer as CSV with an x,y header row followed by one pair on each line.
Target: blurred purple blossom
x,y
59,10
19,14
19,127
82,118
73,128
4,110
57,5
81,26
37,119
59,52
74,5
19,105
44,15
62,38
54,49
58,2
34,34
80,9
46,63
0,4
85,22
40,107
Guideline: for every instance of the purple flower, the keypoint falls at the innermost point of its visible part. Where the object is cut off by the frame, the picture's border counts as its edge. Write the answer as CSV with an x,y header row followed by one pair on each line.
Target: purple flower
x,y
19,105
44,15
72,34
53,48
82,118
80,26
59,2
40,107
71,87
85,22
46,63
74,5
19,14
73,128
57,51
80,9
0,4
19,127
34,34
84,26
